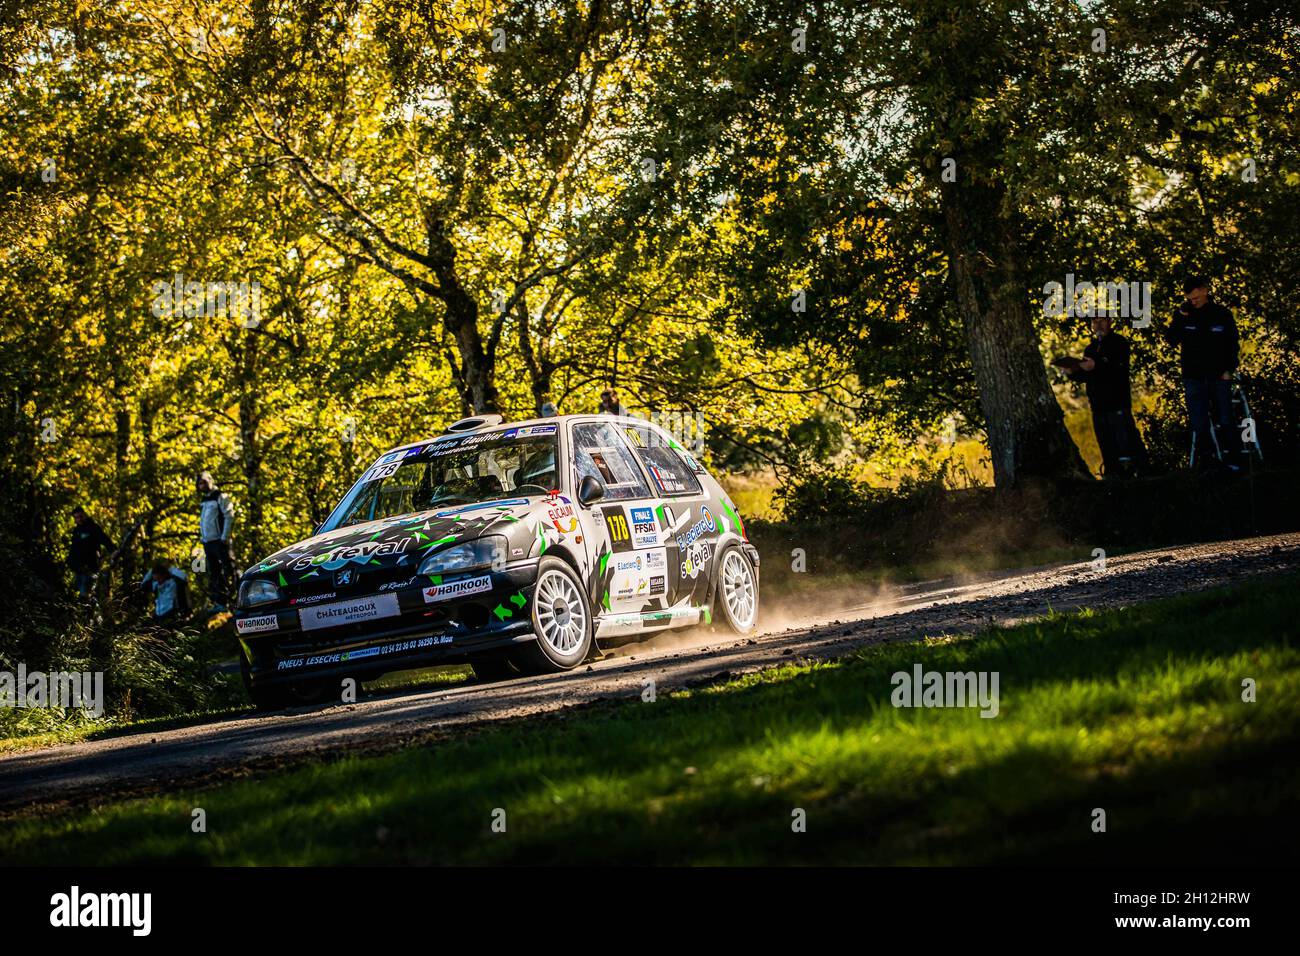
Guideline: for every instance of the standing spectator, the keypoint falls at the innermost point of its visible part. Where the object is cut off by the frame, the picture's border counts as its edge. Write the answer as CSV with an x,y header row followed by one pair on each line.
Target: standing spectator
x,y
1104,371
84,545
610,404
216,519
171,591
1206,334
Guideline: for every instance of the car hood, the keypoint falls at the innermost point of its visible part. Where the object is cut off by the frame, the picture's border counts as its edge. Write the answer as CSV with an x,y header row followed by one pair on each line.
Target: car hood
x,y
399,541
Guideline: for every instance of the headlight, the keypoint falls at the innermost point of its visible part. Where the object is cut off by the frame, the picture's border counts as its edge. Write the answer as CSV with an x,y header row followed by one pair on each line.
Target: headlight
x,y
252,593
470,556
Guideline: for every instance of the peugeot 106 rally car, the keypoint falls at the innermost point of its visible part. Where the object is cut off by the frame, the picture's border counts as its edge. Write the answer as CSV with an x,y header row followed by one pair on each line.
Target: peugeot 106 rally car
x,y
515,547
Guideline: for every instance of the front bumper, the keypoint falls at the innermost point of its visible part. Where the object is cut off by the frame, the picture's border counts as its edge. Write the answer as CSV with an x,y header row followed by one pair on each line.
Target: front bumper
x,y
421,633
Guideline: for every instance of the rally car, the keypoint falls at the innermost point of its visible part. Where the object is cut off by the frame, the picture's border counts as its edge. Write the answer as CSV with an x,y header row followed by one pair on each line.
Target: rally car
x,y
517,547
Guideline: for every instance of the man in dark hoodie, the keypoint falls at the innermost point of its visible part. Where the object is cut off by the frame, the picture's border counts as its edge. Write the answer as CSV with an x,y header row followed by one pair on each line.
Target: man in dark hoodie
x,y
1206,334
84,546
1104,371
216,519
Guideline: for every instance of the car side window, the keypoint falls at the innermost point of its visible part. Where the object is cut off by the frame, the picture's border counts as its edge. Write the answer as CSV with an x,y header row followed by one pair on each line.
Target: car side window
x,y
669,471
599,451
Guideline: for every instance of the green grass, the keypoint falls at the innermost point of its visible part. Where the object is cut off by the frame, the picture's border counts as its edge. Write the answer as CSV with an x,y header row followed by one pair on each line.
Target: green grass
x,y
1136,711
424,678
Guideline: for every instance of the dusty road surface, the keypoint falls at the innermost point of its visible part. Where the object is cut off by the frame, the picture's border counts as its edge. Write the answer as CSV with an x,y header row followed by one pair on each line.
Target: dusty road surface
x,y
157,761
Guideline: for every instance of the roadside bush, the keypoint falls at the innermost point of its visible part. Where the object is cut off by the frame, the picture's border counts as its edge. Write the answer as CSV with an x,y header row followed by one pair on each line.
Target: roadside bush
x,y
147,672
821,495
837,495
160,673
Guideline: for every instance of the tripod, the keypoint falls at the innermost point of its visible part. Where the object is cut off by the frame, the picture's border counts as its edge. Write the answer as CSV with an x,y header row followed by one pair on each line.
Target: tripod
x,y
1240,413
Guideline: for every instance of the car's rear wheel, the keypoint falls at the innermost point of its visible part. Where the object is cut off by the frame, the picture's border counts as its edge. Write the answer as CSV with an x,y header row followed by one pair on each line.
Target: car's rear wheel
x,y
561,620
737,590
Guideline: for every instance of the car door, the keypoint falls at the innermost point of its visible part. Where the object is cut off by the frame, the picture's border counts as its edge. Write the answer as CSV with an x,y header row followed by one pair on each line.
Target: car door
x,y
682,515
631,571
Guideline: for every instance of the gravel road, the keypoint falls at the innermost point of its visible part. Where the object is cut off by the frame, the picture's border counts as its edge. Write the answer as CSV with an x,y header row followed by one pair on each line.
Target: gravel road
x,y
154,761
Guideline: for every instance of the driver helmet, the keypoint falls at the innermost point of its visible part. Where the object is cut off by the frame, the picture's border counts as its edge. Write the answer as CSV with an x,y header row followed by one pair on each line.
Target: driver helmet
x,y
538,469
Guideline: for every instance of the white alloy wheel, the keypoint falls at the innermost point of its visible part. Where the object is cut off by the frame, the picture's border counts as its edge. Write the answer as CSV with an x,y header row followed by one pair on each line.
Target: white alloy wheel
x,y
561,612
739,590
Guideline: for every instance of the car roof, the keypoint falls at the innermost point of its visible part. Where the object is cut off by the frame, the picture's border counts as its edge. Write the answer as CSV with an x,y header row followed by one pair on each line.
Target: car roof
x,y
554,419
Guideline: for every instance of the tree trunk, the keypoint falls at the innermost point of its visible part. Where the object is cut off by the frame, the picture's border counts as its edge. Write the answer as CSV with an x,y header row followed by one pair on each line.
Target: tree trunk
x,y
125,479
460,316
479,379
540,369
149,482
250,419
1026,429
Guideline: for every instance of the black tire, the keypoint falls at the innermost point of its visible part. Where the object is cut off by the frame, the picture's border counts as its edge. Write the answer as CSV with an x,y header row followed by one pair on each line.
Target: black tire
x,y
492,667
563,638
735,571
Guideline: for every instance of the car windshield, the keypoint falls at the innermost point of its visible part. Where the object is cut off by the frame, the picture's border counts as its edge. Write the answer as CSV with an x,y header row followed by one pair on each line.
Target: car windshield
x,y
450,472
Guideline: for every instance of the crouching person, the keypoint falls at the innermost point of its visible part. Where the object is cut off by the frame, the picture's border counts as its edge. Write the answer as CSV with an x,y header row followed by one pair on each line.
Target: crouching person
x,y
171,592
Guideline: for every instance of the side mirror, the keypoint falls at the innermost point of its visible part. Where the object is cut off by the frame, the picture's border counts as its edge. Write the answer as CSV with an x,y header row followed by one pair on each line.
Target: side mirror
x,y
590,490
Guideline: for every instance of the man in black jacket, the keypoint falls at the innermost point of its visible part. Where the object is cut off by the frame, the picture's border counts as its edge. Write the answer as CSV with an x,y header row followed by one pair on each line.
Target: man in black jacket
x,y
1104,372
84,545
1207,336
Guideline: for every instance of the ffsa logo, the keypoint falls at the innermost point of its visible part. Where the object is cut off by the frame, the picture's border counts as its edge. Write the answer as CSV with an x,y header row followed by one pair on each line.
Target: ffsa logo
x,y
75,909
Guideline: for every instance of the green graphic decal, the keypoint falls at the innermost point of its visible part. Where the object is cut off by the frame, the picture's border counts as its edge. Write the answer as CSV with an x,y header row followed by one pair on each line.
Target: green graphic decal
x,y
502,613
735,518
283,582
518,600
433,544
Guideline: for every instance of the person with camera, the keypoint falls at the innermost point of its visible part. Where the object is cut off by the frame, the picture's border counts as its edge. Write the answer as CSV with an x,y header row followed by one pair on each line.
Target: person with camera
x,y
1104,372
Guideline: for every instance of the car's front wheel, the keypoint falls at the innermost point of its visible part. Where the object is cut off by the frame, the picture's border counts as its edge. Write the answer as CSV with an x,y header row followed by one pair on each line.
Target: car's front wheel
x,y
737,591
562,621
